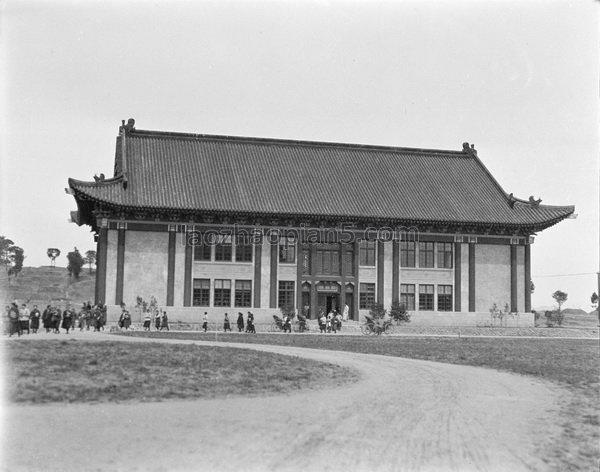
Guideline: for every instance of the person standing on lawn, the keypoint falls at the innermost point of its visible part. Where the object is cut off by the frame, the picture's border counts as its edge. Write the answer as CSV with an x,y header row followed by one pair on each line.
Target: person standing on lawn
x,y
226,325
34,318
24,318
164,322
240,322
157,320
67,320
205,322
47,318
55,319
14,325
147,321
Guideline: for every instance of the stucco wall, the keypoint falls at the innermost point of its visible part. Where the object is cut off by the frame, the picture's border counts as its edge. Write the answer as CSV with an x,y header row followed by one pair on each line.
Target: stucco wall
x,y
492,276
146,259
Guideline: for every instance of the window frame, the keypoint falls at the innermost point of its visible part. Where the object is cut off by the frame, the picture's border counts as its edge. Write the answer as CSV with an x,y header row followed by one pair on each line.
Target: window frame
x,y
366,295
367,249
287,246
405,253
222,295
426,255
445,253
426,297
444,299
223,248
286,294
242,296
406,296
204,292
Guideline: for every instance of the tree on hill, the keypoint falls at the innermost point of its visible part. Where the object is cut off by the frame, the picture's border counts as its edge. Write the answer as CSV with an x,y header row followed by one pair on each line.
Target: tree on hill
x,y
560,298
11,257
53,253
90,258
594,300
75,263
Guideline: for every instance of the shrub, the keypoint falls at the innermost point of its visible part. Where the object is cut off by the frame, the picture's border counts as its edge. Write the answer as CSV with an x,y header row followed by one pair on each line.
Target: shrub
x,y
398,313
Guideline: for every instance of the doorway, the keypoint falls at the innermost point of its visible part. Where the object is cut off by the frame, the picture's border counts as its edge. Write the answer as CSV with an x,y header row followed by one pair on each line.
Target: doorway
x,y
328,302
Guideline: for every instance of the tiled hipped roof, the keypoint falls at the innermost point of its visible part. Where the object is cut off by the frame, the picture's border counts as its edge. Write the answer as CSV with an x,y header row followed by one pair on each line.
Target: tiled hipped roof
x,y
234,175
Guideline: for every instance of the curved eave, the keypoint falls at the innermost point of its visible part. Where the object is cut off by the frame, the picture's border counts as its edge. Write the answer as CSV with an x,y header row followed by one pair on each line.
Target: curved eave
x,y
558,213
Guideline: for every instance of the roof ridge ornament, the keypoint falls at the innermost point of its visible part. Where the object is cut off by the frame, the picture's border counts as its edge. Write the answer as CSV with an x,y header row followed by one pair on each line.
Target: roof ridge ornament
x,y
469,149
130,126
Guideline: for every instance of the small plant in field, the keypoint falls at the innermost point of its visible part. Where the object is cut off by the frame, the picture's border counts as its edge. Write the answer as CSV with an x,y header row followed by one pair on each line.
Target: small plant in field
x,y
398,313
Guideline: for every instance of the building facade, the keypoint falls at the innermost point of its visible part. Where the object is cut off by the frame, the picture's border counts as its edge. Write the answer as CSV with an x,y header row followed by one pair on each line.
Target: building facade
x,y
227,224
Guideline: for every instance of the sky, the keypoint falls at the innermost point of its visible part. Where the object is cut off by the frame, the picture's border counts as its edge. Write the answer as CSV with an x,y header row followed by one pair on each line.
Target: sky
x,y
519,79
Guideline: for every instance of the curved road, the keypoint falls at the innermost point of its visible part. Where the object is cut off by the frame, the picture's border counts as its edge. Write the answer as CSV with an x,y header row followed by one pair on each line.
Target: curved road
x,y
403,415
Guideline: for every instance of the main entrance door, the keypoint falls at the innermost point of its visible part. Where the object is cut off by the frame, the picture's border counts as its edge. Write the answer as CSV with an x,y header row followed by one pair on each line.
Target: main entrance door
x,y
328,302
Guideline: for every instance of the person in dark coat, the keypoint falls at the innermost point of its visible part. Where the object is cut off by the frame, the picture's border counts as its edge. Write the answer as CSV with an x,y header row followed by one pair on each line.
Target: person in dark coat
x,y
67,320
250,323
205,322
226,325
55,319
34,318
157,318
164,322
14,325
240,322
47,318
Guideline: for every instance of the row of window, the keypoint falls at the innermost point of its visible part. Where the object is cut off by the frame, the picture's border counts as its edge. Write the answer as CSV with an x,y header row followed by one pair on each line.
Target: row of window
x,y
408,296
242,293
327,256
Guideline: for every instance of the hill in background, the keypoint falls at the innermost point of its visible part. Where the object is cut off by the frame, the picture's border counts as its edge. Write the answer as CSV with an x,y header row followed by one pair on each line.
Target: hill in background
x,y
43,285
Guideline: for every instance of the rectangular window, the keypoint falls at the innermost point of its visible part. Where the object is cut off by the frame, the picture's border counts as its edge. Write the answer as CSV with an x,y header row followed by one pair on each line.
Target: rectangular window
x,y
327,259
243,293
367,253
444,298
367,296
444,255
201,249
425,254
286,294
222,292
426,297
287,250
407,296
223,248
407,254
243,251
201,292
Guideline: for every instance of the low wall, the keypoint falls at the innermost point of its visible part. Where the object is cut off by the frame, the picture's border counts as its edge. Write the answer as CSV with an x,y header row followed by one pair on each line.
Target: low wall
x,y
265,316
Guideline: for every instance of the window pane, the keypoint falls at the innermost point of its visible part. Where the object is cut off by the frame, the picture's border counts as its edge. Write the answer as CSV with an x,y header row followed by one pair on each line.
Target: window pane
x,y
407,254
366,296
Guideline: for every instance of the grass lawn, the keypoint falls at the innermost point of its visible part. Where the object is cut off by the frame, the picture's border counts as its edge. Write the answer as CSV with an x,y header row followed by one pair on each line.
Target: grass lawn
x,y
573,364
73,371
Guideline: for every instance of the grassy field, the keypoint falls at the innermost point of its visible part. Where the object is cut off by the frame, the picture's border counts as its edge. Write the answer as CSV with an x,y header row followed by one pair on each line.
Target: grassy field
x,y
74,371
573,364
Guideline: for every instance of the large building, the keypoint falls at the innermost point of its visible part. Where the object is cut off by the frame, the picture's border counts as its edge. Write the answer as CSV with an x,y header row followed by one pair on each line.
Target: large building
x,y
227,224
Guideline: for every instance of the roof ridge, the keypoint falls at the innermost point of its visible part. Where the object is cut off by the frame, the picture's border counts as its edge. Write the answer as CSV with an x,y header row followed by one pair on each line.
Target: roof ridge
x,y
281,141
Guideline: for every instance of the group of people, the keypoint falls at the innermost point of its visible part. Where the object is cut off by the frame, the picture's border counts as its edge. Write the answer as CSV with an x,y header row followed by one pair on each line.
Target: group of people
x,y
247,328
330,323
21,319
161,320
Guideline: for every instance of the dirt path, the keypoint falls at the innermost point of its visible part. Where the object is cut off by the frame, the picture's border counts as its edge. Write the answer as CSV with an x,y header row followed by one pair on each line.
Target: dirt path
x,y
404,415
